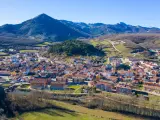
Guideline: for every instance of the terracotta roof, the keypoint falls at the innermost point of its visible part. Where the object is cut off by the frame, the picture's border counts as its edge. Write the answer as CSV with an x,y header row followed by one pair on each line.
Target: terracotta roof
x,y
113,78
58,83
80,76
39,81
151,84
104,83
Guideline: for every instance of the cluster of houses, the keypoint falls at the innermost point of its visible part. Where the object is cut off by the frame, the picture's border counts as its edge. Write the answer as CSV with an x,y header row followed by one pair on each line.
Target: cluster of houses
x,y
43,73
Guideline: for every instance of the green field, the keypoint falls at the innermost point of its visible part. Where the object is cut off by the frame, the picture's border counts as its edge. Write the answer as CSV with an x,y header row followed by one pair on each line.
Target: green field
x,y
124,51
44,44
6,85
25,86
40,45
74,112
50,114
71,89
96,42
28,51
77,88
109,48
3,54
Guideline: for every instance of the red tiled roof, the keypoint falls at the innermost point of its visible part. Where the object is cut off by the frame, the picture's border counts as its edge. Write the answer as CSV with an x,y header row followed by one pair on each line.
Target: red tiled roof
x,y
38,82
104,83
151,84
80,75
58,83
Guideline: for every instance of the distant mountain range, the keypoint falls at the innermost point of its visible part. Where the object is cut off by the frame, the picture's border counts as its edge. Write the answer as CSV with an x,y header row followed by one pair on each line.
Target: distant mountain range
x,y
44,27
98,29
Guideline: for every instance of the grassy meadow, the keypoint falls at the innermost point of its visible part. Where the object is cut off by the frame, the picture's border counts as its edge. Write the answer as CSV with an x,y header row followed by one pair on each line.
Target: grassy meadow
x,y
124,50
3,54
44,44
28,51
74,112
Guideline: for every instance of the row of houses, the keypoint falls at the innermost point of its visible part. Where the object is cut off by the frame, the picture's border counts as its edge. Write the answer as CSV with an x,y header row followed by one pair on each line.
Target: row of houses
x,y
57,74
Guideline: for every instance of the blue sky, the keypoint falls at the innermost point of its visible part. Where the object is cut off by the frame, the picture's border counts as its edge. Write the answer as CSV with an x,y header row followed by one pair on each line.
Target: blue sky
x,y
135,12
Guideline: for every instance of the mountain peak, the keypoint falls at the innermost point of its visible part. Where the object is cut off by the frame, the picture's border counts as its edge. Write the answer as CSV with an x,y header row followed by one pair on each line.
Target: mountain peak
x,y
48,28
123,23
43,16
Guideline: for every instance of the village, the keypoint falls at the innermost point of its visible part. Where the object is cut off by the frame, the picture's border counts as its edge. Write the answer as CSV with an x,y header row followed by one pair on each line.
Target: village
x,y
79,60
78,75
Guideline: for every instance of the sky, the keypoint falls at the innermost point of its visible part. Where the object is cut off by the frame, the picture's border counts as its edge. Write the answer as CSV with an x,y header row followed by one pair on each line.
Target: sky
x,y
134,12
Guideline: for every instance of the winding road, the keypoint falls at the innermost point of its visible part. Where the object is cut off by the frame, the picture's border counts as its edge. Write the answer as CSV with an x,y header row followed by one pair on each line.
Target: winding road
x,y
113,46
